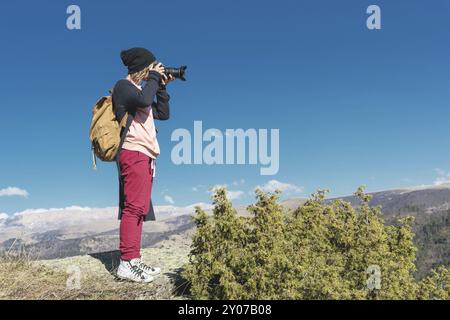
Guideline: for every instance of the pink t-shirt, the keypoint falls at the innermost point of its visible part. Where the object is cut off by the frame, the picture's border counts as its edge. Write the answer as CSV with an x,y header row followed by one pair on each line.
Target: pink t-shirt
x,y
142,133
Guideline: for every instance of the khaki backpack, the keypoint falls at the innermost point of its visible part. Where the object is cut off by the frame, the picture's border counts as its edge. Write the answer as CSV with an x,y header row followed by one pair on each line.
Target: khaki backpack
x,y
105,131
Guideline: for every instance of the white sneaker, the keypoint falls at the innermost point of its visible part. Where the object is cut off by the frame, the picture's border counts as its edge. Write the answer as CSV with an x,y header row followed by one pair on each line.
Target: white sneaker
x,y
130,270
151,271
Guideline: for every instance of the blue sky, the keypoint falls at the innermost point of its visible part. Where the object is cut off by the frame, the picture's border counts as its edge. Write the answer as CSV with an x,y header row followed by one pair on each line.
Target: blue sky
x,y
353,106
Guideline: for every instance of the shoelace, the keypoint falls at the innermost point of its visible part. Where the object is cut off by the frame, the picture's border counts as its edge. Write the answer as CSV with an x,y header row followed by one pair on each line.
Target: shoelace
x,y
137,271
142,265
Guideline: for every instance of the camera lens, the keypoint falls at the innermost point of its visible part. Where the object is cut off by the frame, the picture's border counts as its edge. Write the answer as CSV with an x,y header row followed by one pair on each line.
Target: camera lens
x,y
177,73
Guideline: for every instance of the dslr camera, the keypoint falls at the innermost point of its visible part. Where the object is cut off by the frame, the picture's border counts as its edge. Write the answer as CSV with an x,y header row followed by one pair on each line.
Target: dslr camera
x,y
177,73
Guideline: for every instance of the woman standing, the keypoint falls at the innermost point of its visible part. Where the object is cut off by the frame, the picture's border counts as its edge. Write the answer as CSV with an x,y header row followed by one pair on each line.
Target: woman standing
x,y
138,152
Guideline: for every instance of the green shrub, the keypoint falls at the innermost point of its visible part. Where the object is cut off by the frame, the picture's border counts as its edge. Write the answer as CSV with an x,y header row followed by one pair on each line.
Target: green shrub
x,y
318,251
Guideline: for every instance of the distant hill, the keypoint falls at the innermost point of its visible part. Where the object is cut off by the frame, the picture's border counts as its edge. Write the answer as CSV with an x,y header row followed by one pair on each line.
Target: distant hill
x,y
411,201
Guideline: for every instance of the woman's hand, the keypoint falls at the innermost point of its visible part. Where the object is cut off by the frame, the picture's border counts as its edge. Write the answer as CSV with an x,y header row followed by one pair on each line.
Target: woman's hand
x,y
166,79
158,68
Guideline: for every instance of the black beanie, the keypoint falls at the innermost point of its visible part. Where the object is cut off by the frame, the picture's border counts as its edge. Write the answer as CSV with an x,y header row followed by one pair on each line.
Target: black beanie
x,y
137,59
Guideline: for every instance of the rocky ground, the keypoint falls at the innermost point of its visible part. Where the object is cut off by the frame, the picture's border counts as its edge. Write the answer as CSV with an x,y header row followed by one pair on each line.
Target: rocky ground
x,y
57,279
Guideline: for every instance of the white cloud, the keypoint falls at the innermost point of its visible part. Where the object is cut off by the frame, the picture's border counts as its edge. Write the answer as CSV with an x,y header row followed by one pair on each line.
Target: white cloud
x,y
231,194
238,182
236,194
273,185
198,188
3,217
218,186
169,199
442,178
50,210
13,191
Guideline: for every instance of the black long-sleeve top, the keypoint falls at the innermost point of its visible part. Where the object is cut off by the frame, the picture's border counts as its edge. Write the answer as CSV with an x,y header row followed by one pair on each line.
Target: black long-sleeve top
x,y
127,98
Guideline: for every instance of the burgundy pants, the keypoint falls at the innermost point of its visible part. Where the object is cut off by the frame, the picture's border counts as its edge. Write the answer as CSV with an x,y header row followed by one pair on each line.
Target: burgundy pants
x,y
136,171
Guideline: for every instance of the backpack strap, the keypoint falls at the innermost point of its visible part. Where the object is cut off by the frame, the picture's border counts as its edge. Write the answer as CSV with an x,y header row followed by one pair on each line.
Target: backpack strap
x,y
123,122
94,160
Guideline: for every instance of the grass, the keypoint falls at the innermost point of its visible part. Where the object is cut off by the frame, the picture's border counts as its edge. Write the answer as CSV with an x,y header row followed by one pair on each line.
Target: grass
x,y
22,278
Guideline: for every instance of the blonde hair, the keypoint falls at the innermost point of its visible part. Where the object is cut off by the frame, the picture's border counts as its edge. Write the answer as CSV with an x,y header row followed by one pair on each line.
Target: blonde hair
x,y
137,77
